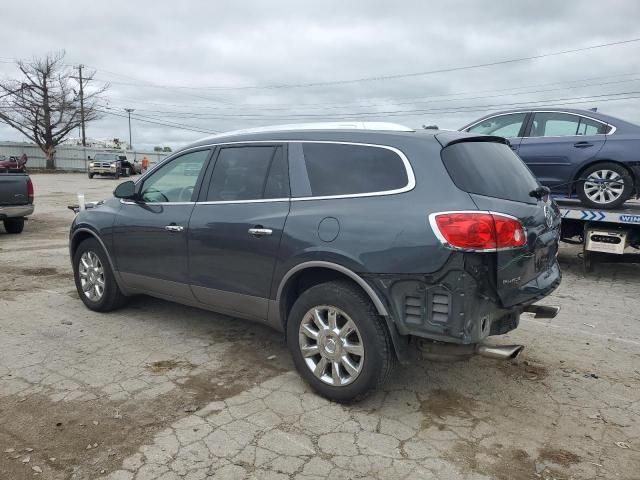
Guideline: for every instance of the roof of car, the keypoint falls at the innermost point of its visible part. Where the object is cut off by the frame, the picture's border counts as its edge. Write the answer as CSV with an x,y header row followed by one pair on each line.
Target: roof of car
x,y
360,132
618,122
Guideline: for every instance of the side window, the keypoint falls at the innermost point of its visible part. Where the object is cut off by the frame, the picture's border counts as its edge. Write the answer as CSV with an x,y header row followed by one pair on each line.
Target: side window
x,y
341,169
554,124
249,173
175,181
507,126
587,126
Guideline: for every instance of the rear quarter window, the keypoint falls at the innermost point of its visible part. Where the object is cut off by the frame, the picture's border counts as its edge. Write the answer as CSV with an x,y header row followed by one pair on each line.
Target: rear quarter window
x,y
489,169
345,169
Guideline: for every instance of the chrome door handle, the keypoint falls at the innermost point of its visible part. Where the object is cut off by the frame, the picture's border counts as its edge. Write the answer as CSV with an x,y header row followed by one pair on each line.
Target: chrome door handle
x,y
260,232
174,228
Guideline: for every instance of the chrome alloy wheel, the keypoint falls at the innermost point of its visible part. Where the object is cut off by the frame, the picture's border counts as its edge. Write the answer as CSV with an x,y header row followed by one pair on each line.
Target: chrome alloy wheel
x,y
91,275
604,186
331,345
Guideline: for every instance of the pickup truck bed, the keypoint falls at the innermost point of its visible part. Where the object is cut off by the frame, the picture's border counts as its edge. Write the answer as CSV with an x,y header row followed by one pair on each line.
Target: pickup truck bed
x,y
16,200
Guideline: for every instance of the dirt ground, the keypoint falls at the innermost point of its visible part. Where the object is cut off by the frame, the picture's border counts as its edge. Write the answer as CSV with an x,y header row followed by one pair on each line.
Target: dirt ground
x,y
159,390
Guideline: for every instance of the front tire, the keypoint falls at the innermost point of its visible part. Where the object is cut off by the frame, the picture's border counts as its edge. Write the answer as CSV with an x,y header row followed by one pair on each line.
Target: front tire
x,y
90,175
338,342
14,225
605,185
95,281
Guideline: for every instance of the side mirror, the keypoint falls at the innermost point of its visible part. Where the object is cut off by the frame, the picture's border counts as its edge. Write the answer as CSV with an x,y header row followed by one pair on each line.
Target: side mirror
x,y
125,190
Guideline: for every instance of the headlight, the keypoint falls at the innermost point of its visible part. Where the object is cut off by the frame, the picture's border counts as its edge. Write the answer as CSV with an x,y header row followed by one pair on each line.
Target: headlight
x,y
113,165
91,164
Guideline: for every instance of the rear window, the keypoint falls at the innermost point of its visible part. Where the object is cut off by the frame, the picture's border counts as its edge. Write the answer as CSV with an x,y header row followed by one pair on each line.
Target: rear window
x,y
490,169
344,169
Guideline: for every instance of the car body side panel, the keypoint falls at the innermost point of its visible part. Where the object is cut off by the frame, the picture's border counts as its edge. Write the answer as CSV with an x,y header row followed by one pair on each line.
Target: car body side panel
x,y
555,160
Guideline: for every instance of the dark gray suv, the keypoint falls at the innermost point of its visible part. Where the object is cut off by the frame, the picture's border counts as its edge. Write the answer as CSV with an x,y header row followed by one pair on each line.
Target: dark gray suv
x,y
358,244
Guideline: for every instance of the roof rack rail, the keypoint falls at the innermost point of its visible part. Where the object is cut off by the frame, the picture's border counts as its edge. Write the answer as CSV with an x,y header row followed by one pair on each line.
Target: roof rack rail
x,y
380,126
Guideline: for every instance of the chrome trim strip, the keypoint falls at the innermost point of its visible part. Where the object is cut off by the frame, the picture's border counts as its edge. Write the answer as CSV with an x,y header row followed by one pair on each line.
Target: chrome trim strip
x,y
613,127
411,179
440,237
334,266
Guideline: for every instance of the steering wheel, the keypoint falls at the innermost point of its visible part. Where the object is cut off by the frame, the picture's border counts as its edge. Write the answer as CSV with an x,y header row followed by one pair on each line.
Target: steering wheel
x,y
186,193
155,190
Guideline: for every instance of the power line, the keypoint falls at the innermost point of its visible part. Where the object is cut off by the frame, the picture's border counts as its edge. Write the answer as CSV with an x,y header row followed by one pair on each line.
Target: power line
x,y
386,104
394,76
600,97
146,119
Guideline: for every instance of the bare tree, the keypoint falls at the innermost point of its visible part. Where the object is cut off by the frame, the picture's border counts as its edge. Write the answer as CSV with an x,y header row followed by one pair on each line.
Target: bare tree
x,y
45,104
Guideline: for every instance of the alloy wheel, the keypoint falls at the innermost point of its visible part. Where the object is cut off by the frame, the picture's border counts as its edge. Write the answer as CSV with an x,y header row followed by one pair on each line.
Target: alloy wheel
x,y
331,345
91,273
604,186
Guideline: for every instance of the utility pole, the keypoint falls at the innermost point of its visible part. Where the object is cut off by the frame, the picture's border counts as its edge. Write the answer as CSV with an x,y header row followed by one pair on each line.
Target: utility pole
x,y
84,143
129,110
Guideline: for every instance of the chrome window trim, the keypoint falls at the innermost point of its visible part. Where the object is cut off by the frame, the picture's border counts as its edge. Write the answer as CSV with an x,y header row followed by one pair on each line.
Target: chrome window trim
x,y
411,179
443,241
613,127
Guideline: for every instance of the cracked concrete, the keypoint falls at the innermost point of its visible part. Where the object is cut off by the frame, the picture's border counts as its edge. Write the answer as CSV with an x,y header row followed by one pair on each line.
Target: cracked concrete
x,y
170,392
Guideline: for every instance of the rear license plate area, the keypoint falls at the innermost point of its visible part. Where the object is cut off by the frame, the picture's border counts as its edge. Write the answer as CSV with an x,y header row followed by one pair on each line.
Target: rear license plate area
x,y
606,241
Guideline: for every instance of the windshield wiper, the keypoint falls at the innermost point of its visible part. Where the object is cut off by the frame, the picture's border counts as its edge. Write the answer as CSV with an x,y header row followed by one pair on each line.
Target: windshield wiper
x,y
540,192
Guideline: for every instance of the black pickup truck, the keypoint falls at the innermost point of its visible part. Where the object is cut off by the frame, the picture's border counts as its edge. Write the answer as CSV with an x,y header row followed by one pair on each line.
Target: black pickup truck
x,y
16,200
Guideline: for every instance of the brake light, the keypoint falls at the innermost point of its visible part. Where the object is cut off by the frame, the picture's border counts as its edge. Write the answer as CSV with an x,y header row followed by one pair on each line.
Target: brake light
x,y
30,190
478,231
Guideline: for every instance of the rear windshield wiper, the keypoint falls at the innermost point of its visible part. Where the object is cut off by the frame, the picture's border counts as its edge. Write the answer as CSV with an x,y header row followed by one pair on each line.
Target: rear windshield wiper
x,y
540,192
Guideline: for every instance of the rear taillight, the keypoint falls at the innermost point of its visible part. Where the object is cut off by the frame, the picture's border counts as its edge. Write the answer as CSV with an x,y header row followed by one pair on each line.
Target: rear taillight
x,y
30,190
478,231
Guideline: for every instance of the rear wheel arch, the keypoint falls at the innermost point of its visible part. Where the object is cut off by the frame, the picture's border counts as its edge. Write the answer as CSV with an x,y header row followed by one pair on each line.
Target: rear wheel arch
x,y
308,274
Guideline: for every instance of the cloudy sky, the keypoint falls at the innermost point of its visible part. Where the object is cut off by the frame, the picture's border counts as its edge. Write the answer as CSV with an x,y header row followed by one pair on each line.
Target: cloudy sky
x,y
219,66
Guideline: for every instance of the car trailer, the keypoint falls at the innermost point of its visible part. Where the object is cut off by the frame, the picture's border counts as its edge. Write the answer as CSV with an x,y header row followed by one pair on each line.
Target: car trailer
x,y
610,236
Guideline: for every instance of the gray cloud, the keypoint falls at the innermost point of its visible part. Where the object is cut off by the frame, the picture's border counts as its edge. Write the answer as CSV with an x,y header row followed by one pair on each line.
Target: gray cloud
x,y
134,45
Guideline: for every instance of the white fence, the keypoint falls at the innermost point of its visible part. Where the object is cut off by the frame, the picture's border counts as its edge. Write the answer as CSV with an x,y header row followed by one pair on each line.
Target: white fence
x,y
69,157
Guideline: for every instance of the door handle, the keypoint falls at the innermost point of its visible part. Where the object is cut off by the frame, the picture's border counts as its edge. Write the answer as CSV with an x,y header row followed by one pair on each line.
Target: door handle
x,y
583,144
260,232
174,228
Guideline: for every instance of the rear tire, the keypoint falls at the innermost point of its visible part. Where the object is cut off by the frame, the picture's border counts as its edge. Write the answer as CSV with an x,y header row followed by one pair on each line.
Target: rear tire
x,y
595,192
95,281
14,225
363,359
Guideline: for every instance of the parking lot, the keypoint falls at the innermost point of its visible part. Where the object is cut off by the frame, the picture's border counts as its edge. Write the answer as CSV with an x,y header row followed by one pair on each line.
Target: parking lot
x,y
159,390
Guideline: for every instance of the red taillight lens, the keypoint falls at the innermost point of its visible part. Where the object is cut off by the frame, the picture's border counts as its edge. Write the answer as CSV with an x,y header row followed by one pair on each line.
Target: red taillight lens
x,y
478,230
30,190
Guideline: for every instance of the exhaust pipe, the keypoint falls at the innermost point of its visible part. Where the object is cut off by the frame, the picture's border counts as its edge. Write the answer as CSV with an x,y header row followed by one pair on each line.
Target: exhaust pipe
x,y
451,352
499,352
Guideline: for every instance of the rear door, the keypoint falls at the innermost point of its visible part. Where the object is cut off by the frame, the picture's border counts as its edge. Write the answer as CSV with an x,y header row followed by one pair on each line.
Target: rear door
x,y
558,144
498,181
236,227
508,125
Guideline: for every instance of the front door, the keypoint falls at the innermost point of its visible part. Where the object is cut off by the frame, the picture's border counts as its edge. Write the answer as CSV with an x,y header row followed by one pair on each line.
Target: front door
x,y
150,235
236,227
558,144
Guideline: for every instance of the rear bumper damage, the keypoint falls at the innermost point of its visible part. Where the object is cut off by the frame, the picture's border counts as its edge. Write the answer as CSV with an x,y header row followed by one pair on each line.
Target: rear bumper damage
x,y
459,305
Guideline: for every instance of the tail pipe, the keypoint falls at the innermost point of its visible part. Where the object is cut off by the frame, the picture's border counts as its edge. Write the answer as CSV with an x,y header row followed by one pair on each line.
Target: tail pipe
x,y
451,352
499,352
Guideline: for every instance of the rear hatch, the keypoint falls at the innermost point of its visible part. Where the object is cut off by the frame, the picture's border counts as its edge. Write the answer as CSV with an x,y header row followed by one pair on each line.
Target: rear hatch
x,y
13,189
498,181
